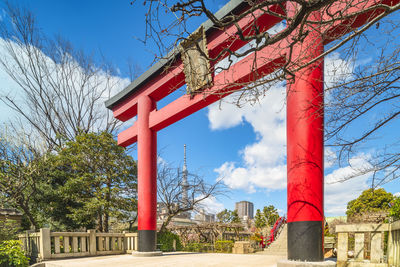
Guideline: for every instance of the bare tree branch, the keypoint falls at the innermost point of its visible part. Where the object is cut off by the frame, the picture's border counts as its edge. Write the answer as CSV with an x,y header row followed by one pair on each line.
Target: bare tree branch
x,y
62,90
170,190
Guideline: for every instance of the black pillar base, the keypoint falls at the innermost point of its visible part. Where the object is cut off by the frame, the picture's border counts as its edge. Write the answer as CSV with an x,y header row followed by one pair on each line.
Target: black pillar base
x,y
147,240
305,241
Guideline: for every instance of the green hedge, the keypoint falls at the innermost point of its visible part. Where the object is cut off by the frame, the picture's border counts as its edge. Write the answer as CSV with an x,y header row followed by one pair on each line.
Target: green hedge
x,y
166,239
11,254
198,247
9,230
224,246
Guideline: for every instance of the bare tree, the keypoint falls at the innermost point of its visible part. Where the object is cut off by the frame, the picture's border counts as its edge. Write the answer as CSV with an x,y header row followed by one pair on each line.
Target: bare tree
x,y
62,90
296,23
171,191
19,175
209,232
363,107
368,93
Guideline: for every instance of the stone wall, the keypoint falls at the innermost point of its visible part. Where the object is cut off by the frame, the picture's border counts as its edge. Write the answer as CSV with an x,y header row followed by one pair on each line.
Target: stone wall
x,y
369,217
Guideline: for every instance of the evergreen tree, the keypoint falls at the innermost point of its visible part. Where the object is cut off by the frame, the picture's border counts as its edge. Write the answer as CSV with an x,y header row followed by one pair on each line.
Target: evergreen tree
x,y
235,217
259,219
370,200
90,180
395,208
271,215
224,216
228,216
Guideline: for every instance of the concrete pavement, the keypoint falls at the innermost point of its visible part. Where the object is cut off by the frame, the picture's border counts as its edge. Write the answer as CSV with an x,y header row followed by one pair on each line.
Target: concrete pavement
x,y
172,259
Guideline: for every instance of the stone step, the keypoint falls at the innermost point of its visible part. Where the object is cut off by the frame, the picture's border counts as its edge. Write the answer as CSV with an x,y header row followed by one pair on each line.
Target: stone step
x,y
279,246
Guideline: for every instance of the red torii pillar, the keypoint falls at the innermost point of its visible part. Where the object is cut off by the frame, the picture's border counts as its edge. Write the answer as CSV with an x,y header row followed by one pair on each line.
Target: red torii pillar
x,y
147,176
305,151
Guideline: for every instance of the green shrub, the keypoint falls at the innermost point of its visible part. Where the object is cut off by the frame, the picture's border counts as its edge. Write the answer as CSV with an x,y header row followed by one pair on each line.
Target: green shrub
x,y
166,239
198,247
224,246
395,209
256,237
9,230
11,253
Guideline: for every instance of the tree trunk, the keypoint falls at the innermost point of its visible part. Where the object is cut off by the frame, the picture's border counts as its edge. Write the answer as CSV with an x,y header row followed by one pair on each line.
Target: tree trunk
x,y
106,208
106,218
100,223
29,215
165,223
131,223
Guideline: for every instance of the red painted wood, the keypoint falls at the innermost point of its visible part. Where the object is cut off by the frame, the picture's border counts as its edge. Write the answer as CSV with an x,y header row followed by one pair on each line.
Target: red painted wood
x,y
167,82
224,84
228,38
147,166
305,133
338,27
157,88
129,136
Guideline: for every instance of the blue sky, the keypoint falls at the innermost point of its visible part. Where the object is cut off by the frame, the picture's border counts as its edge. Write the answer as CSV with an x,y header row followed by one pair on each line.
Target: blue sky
x,y
245,147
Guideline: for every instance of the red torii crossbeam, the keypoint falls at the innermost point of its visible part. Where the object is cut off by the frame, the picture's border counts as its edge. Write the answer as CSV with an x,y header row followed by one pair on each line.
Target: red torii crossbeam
x,y
304,115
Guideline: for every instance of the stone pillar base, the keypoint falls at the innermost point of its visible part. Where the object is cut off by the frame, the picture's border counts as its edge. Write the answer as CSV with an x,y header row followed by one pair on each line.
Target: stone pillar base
x,y
147,253
289,263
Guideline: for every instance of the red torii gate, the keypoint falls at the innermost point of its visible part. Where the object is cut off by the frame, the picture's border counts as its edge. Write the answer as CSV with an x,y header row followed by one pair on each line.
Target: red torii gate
x,y
305,213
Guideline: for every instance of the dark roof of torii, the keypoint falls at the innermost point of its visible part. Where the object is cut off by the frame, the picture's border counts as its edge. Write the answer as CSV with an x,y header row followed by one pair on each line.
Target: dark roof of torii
x,y
231,6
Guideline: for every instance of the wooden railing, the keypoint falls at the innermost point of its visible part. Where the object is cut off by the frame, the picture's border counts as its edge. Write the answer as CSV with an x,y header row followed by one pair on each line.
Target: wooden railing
x,y
46,245
367,243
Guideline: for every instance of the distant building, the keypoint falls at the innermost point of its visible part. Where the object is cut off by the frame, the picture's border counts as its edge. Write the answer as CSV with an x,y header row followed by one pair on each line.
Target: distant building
x,y
162,212
182,219
245,209
204,216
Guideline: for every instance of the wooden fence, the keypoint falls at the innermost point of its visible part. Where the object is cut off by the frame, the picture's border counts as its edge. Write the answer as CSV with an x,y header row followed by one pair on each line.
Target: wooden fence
x,y
45,245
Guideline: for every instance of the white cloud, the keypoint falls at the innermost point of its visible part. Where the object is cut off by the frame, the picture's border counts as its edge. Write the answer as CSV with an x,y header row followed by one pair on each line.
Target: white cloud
x,y
337,69
7,85
396,194
231,59
263,162
212,205
161,161
357,164
101,85
339,190
230,116
277,28
329,157
337,195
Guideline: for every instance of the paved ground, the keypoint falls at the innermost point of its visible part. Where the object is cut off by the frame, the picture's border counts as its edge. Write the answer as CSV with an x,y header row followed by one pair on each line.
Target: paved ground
x,y
176,259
